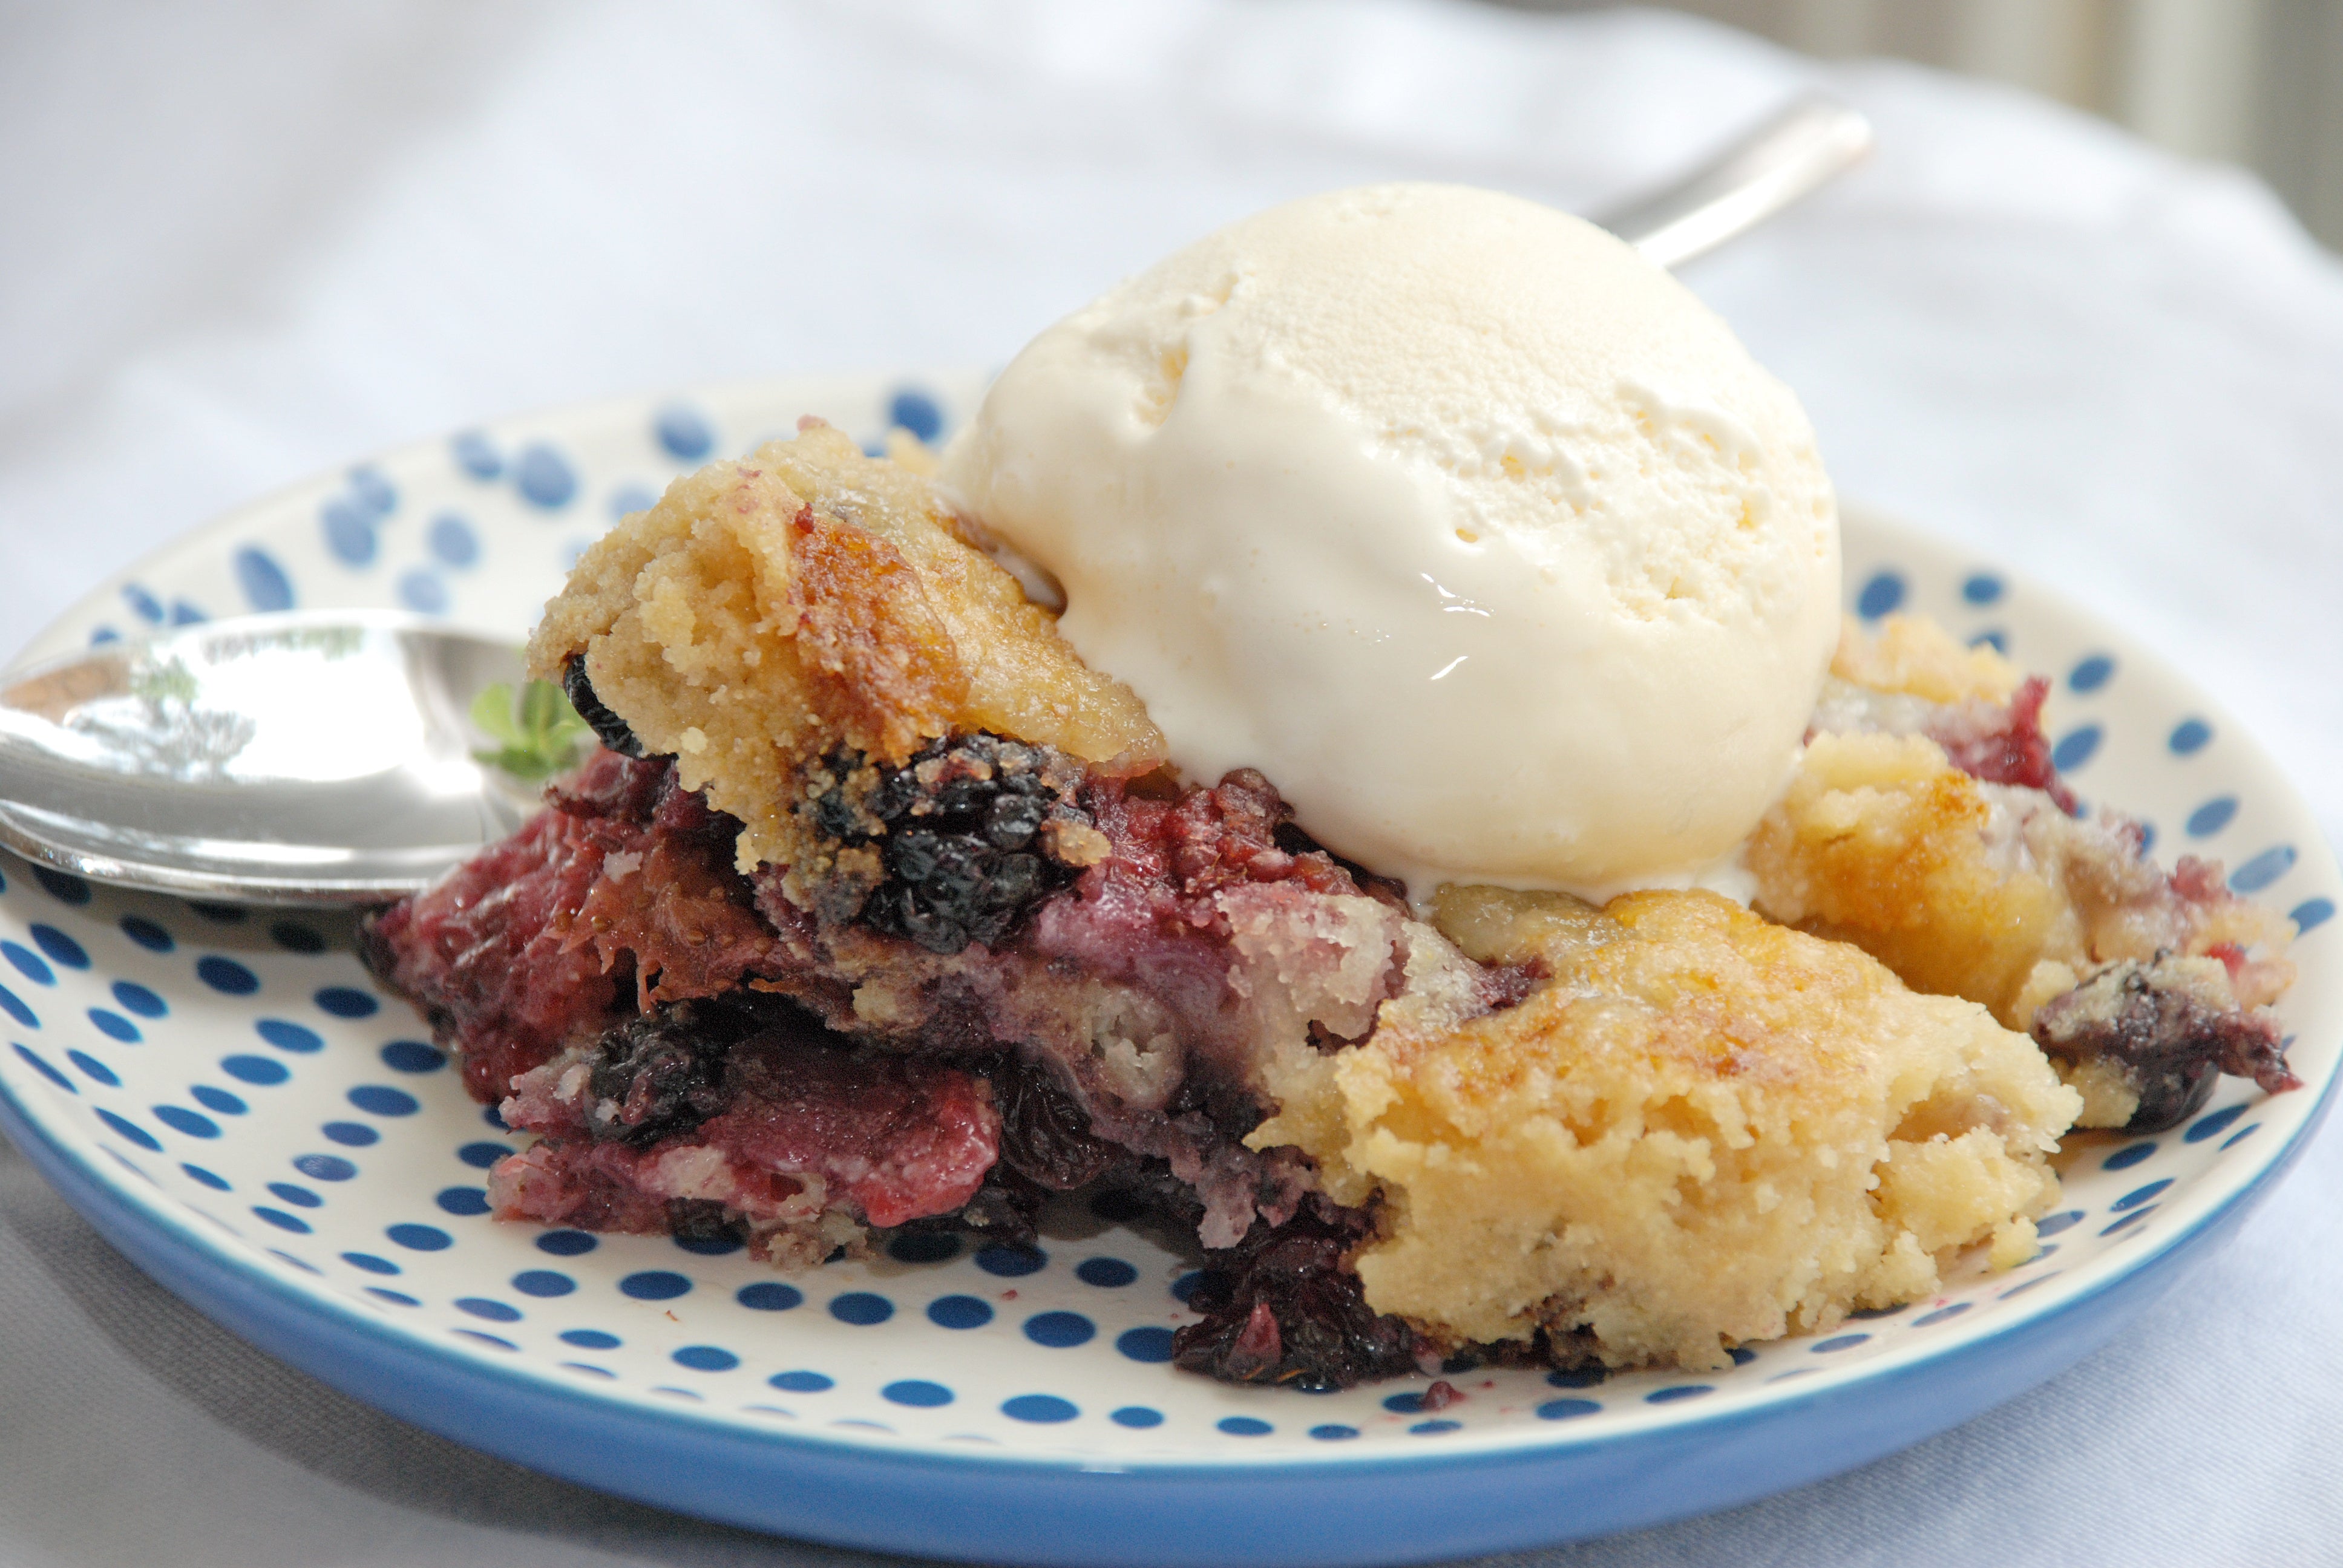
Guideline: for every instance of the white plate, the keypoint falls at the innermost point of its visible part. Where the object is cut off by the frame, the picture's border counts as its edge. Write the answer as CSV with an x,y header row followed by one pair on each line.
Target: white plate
x,y
228,1097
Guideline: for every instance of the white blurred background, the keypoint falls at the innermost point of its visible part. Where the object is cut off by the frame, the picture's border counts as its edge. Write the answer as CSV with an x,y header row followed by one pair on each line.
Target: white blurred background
x,y
2254,82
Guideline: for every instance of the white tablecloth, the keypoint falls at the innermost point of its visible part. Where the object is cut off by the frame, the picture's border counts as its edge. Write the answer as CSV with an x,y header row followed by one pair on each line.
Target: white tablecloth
x,y
245,242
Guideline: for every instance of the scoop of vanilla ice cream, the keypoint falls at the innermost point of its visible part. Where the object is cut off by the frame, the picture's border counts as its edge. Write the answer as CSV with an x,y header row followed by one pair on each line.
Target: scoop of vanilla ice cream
x,y
1474,531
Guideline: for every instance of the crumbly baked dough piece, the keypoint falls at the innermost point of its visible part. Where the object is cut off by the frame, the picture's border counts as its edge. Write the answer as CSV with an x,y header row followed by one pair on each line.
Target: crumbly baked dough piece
x,y
1914,656
1977,890
769,611
1699,1130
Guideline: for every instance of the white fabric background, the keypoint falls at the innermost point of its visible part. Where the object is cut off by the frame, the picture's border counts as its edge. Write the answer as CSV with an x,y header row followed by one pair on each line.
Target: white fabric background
x,y
242,243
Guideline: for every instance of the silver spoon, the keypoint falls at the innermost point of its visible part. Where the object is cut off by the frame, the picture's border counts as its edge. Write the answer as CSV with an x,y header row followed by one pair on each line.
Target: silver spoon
x,y
320,758
1777,164
332,757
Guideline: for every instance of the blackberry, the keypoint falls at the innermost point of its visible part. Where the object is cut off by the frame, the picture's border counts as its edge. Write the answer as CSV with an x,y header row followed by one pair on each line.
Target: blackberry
x,y
2171,1043
703,1221
1045,1133
1280,1307
970,834
608,726
663,1072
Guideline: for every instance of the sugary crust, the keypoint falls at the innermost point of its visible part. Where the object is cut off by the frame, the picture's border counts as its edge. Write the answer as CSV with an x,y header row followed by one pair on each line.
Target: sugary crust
x,y
771,610
1914,656
1700,1129
1879,841
1981,891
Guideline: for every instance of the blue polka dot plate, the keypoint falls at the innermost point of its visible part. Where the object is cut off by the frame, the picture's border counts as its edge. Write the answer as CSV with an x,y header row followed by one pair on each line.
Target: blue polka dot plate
x,y
225,1094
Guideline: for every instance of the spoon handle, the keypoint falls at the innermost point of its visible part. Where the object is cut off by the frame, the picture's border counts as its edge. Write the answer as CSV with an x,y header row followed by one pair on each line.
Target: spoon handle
x,y
1776,165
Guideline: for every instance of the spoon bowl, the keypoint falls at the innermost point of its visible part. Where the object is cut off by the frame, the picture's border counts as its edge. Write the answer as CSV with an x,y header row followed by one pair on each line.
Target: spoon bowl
x,y
307,759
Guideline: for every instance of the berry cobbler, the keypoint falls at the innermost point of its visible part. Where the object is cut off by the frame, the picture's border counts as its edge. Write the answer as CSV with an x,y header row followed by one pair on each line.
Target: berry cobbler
x,y
877,908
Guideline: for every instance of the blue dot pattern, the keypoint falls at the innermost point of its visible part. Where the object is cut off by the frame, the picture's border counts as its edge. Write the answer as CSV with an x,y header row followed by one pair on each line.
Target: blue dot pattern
x,y
453,542
1882,595
2076,747
1011,1262
412,1056
1107,1273
2263,870
1981,588
481,1307
114,1026
2212,816
61,947
1059,1331
381,1100
33,1060
770,1296
28,963
684,433
226,976
801,1382
131,1130
914,410
863,1308
917,1393
62,886
138,999
154,937
959,1312
544,477
1040,1408
90,1067
345,1002
264,584
293,1037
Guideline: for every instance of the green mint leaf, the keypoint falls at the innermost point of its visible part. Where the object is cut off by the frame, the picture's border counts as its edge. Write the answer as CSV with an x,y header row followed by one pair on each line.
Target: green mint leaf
x,y
541,710
492,713
541,732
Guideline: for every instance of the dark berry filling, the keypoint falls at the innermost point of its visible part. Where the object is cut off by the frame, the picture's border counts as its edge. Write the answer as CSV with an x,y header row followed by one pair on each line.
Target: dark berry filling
x,y
1284,1307
968,836
608,726
2171,1043
2011,750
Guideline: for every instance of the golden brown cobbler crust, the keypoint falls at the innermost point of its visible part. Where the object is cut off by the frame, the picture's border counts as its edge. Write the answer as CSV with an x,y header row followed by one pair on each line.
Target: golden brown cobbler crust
x,y
1701,1129
1969,888
769,611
